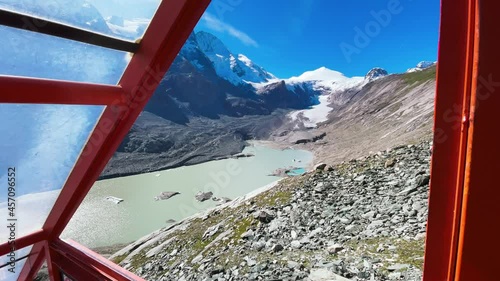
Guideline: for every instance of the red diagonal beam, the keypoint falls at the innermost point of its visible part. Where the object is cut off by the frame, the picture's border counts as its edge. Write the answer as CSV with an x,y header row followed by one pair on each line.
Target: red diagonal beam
x,y
34,90
169,29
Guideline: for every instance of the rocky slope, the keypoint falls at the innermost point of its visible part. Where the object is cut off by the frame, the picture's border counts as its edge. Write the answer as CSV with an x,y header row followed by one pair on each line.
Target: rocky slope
x,y
364,219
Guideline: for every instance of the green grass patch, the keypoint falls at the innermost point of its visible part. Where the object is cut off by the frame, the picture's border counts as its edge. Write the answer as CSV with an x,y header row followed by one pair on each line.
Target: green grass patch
x,y
276,198
119,259
416,78
406,251
411,252
242,226
139,260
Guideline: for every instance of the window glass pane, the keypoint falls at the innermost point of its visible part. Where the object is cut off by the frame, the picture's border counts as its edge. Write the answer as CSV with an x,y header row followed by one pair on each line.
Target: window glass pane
x,y
13,264
127,19
39,146
26,53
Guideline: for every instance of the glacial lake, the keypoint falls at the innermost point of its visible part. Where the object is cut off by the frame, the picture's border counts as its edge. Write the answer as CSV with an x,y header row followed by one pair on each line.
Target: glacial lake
x,y
99,222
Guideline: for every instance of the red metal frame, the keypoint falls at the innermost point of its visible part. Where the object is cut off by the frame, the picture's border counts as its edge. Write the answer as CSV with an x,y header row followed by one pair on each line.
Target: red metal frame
x,y
169,29
461,239
34,90
478,246
76,260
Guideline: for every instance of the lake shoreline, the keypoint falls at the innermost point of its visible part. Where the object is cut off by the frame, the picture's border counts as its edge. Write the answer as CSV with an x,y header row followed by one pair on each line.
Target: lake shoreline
x,y
168,167
231,177
248,143
113,250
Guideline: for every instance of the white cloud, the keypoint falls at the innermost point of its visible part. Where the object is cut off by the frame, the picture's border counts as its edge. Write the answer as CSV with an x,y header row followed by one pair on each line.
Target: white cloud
x,y
215,24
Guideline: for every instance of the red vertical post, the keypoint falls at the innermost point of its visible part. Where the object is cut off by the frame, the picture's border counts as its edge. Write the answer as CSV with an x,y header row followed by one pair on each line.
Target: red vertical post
x,y
478,249
454,77
54,272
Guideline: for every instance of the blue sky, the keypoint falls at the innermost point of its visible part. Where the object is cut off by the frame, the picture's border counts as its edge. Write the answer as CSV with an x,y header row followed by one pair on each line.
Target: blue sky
x,y
289,37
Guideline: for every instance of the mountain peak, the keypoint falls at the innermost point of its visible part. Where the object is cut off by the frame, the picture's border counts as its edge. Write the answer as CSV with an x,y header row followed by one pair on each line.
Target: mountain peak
x,y
320,74
244,58
425,64
210,44
237,69
421,66
375,73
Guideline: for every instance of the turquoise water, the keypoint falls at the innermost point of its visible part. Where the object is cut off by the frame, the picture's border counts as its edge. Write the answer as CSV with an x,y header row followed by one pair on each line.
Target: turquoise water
x,y
297,172
99,222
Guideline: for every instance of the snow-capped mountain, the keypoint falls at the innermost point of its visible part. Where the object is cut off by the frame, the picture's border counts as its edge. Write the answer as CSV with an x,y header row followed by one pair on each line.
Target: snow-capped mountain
x,y
325,80
421,66
319,81
237,69
330,86
327,83
259,71
221,83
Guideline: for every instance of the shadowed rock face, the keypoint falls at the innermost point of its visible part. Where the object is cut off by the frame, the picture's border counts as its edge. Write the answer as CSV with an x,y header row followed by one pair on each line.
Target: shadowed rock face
x,y
277,95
